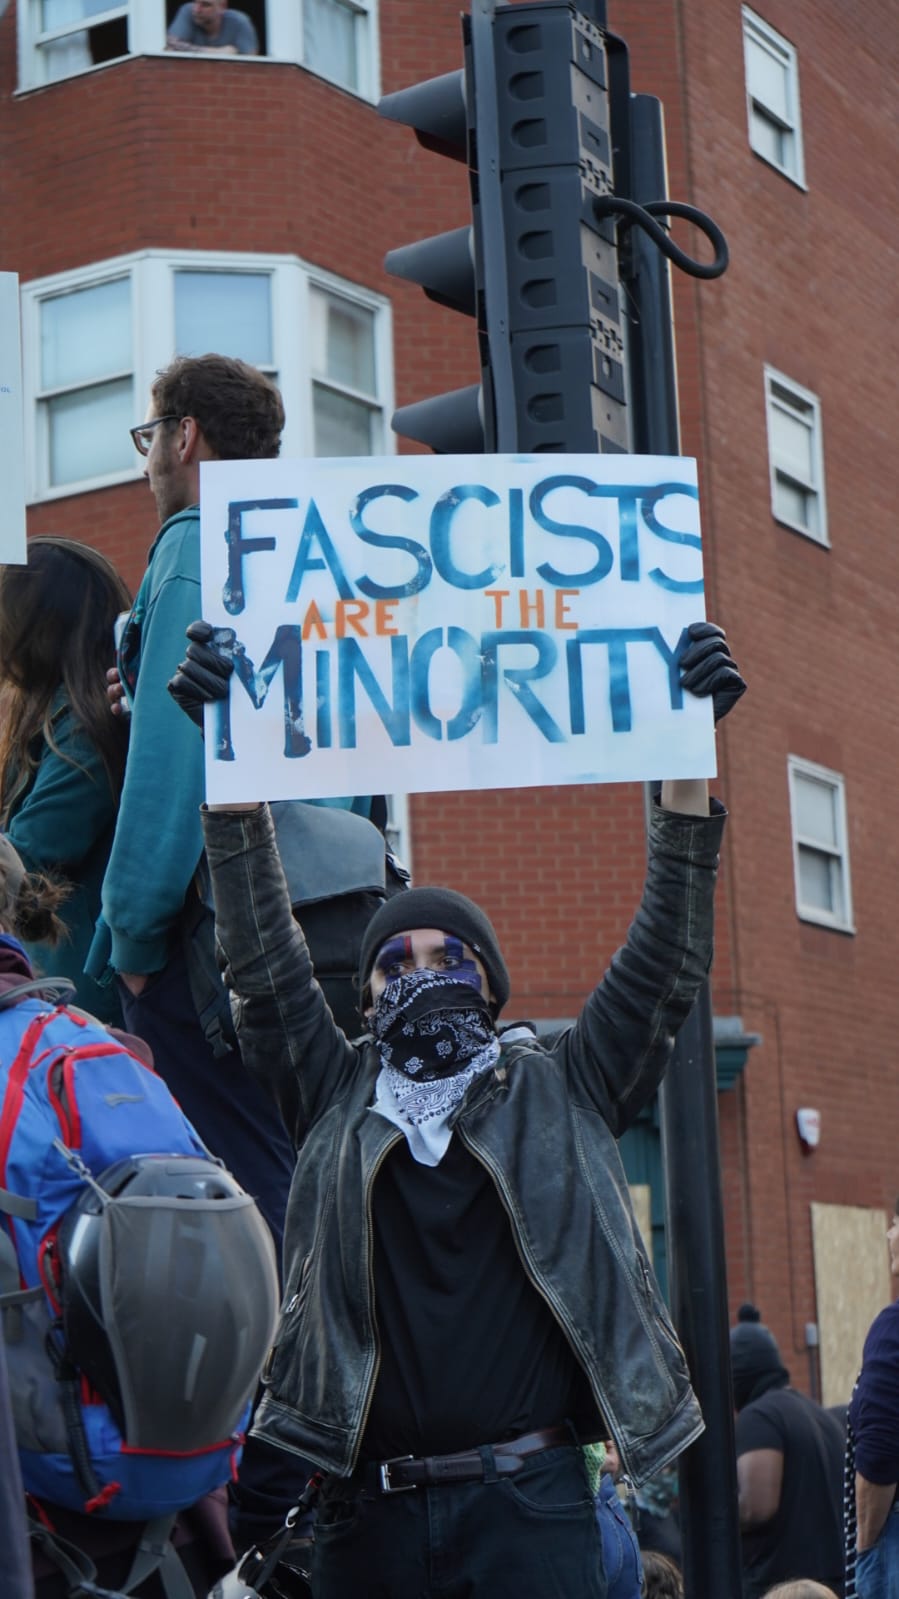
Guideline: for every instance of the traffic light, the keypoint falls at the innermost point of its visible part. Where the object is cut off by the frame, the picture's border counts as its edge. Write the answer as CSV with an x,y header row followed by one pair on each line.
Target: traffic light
x,y
539,112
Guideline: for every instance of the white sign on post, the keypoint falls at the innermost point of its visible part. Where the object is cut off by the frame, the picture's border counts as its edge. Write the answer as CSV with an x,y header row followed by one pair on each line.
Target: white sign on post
x,y
415,623
13,551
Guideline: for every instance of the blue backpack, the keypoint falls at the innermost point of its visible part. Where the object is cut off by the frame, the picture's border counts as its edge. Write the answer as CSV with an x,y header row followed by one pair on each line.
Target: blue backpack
x,y
138,1286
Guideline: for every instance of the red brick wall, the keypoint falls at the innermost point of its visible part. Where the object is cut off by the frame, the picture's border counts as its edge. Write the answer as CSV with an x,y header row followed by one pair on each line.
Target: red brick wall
x,y
157,153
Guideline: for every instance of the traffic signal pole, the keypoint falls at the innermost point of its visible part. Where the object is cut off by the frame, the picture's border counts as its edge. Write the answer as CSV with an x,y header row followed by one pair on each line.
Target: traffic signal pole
x,y
565,270
697,1272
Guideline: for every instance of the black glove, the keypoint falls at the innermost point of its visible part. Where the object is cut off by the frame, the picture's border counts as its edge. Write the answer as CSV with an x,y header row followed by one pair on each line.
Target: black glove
x,y
204,675
707,667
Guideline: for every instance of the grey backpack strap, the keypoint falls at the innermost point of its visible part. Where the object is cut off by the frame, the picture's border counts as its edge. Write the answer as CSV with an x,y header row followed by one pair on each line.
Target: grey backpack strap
x,y
156,1553
55,990
16,1205
76,1569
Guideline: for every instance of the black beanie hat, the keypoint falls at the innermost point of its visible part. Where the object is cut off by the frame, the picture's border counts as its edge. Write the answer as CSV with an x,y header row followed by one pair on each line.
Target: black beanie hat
x,y
755,1359
452,913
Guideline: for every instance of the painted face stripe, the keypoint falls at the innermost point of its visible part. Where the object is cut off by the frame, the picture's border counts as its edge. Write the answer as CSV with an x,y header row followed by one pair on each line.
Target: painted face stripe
x,y
396,950
464,966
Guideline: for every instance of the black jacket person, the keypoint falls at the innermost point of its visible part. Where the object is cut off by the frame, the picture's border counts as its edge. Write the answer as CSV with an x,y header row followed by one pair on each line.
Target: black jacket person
x,y
467,1293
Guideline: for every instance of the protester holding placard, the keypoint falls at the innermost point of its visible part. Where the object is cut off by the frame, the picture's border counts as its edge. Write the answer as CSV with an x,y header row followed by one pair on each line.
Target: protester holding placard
x,y
468,1298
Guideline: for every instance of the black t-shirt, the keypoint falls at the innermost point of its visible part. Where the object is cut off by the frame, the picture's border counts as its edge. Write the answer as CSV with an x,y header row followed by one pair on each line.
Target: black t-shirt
x,y
805,1536
470,1353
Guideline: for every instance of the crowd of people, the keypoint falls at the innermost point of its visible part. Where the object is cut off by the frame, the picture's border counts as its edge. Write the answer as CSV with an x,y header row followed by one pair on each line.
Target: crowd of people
x,y
473,1362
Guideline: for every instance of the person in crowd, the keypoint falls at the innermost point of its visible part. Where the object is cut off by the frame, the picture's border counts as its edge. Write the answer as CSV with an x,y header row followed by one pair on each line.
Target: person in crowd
x,y
204,25
62,757
871,1505
31,910
657,1514
201,408
661,1576
17,1579
789,1468
27,907
620,1551
467,1297
803,1588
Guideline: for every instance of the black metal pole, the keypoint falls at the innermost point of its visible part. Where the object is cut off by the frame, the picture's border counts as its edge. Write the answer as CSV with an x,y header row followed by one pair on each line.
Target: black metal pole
x,y
710,1531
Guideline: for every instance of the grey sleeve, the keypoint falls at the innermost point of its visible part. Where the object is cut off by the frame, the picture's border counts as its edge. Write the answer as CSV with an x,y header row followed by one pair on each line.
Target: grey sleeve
x,y
181,26
243,35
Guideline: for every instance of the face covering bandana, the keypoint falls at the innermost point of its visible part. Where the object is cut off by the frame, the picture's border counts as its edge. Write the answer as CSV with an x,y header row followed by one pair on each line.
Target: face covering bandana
x,y
434,1037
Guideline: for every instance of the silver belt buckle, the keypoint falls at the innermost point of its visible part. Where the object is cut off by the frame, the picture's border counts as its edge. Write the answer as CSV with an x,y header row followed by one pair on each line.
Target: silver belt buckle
x,y
387,1486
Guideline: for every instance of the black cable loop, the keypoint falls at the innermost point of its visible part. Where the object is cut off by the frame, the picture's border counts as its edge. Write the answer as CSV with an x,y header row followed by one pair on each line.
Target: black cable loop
x,y
642,216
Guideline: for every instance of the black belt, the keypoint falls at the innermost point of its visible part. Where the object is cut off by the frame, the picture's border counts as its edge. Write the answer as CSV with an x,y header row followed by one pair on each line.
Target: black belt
x,y
410,1471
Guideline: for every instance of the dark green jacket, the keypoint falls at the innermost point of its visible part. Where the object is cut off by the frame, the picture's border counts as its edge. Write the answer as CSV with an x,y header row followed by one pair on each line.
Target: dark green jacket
x,y
543,1123
63,824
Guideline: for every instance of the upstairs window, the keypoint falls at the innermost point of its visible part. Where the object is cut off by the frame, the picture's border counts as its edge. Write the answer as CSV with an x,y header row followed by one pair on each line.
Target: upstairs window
x,y
229,313
795,456
348,417
92,341
71,35
820,845
339,42
336,39
772,92
86,382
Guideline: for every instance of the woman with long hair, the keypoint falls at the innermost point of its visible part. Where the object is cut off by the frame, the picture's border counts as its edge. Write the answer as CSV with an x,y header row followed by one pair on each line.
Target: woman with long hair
x,y
62,754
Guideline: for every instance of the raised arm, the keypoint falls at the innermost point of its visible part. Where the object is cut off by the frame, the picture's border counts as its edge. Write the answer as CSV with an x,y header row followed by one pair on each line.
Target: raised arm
x,y
288,1037
620,1046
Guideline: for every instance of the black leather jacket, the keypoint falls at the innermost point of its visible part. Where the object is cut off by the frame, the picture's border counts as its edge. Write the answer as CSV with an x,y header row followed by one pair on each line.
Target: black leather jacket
x,y
544,1123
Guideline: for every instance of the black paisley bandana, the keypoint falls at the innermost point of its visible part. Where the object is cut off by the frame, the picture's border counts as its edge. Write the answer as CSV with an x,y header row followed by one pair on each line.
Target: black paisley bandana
x,y
431,1024
434,1036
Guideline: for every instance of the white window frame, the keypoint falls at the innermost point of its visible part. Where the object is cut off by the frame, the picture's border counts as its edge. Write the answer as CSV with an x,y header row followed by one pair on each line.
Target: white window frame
x,y
153,321
760,35
146,37
838,855
368,32
399,834
784,395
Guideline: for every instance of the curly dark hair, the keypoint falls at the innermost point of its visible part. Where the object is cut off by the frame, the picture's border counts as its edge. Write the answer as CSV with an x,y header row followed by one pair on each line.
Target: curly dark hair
x,y
661,1576
56,632
238,409
29,901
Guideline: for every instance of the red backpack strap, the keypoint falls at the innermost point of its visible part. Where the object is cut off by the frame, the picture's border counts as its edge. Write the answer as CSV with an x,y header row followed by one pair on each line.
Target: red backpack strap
x,y
15,1085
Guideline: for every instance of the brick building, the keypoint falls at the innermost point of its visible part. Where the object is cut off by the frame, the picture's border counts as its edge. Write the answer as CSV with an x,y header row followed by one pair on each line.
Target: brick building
x,y
153,202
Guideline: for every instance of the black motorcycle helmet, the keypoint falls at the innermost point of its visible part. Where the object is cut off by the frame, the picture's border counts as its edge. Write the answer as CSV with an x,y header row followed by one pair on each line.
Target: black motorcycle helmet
x,y
169,1295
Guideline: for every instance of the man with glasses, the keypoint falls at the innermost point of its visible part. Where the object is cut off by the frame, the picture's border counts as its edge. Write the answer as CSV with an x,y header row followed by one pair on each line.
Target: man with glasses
x,y
203,408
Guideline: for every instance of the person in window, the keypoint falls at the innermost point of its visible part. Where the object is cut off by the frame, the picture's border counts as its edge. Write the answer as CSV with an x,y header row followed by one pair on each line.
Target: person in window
x,y
62,756
467,1298
204,25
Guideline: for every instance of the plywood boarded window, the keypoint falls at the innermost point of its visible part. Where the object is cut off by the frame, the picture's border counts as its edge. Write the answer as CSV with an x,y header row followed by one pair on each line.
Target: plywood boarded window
x,y
852,1283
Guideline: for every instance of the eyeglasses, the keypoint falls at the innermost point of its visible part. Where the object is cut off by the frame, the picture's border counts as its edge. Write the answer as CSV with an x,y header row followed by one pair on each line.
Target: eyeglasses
x,y
143,436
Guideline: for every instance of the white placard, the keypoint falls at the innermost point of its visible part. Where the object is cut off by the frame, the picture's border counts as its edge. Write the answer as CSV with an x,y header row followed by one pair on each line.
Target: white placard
x,y
13,551
415,623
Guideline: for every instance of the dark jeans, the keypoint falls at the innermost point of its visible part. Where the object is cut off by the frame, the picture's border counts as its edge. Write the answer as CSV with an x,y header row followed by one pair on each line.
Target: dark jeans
x,y
233,1115
531,1536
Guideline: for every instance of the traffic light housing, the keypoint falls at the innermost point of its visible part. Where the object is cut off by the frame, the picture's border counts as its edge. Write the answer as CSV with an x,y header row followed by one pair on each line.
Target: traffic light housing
x,y
539,113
